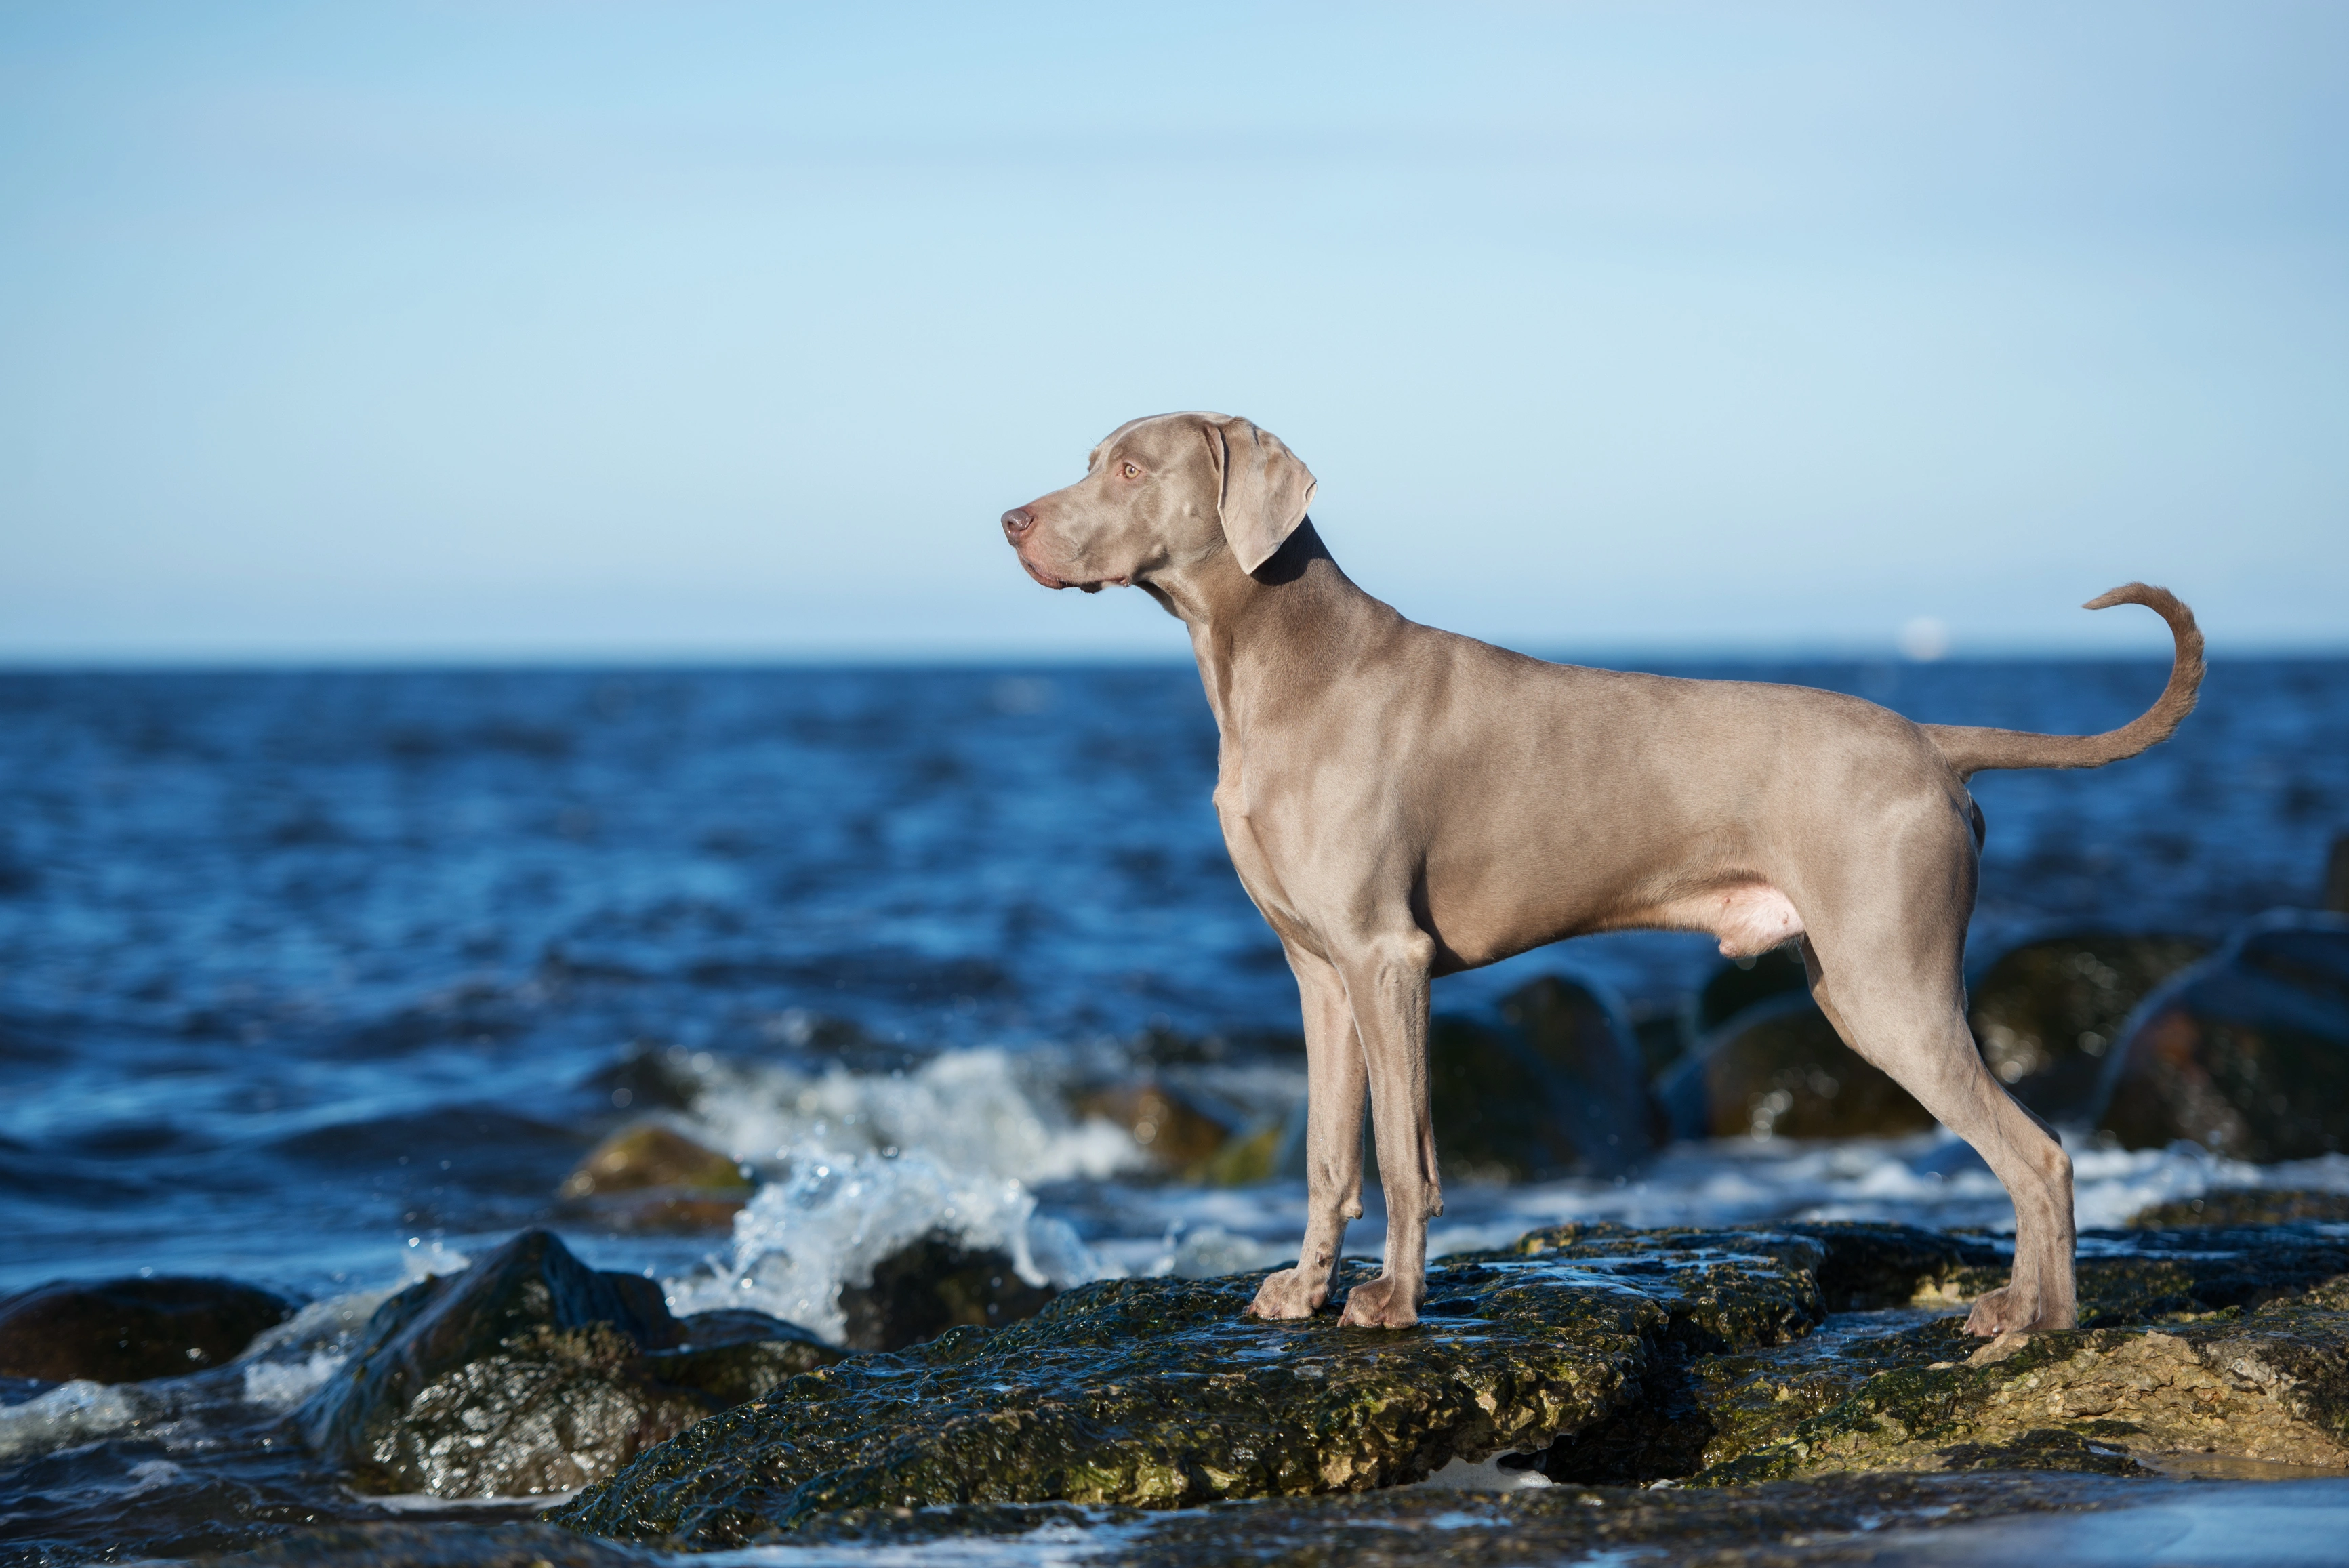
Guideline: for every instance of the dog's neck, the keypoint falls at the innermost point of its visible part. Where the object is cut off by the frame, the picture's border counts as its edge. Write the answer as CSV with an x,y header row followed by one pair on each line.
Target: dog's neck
x,y
1282,635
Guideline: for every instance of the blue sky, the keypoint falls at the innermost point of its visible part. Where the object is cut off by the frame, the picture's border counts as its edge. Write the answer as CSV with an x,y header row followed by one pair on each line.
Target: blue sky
x,y
570,330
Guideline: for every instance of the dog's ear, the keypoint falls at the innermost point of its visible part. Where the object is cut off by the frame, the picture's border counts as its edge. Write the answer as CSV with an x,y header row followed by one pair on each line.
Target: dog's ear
x,y
1263,492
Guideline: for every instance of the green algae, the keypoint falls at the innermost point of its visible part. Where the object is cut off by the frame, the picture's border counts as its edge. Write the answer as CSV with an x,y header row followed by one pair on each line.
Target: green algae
x,y
1161,1394
1597,1354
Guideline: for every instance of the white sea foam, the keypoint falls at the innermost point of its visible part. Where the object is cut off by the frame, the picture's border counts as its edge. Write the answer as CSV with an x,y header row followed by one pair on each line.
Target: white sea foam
x,y
800,1239
285,1365
70,1414
982,1111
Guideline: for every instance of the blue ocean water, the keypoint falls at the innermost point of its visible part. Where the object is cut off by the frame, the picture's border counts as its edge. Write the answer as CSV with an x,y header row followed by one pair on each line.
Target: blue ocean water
x,y
264,933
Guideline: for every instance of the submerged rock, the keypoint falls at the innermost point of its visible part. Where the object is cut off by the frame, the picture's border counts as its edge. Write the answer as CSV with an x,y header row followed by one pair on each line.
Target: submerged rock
x,y
129,1330
1778,1069
2246,1054
1551,1083
531,1373
935,1283
2047,1015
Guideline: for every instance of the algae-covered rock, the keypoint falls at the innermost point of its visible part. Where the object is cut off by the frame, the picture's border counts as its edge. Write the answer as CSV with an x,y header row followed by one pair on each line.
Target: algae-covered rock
x,y
2246,1054
1550,1082
651,1176
1180,1129
1778,1069
2201,1343
2047,1014
932,1284
2243,1206
129,1330
1160,1393
530,1373
1591,1352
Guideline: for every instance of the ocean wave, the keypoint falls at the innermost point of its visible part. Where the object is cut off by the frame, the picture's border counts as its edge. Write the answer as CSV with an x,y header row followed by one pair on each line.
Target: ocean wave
x,y
799,1241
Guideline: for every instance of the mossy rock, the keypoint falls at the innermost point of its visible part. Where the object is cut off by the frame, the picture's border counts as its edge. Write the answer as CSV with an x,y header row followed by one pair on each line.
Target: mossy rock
x,y
1592,1352
2243,1206
1161,1393
2047,1015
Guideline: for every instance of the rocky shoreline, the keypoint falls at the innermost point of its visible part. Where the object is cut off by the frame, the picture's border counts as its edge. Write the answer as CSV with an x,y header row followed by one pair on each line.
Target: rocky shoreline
x,y
1729,1388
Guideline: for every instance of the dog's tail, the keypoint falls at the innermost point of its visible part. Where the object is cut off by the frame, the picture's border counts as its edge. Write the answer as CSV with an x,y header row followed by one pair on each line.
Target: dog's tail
x,y
1970,750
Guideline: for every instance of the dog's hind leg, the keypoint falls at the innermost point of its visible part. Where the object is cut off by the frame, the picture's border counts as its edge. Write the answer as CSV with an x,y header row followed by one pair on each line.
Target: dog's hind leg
x,y
1909,1019
1337,1083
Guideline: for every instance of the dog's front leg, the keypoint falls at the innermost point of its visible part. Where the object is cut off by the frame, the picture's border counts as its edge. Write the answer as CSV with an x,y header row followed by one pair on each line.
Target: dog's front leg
x,y
1386,980
1335,1086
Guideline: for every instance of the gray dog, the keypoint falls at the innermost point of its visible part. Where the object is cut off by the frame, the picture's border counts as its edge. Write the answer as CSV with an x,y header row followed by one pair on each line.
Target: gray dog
x,y
1402,803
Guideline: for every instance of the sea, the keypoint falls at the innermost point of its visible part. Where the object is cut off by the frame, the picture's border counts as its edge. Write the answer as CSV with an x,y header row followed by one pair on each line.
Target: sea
x,y
323,979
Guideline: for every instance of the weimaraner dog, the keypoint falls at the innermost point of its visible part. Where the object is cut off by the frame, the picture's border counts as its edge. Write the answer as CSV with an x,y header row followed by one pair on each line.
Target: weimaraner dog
x,y
1403,803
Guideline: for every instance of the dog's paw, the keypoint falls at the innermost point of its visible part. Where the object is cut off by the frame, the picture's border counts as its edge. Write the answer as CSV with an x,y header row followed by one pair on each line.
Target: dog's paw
x,y
2005,1311
1288,1295
1381,1303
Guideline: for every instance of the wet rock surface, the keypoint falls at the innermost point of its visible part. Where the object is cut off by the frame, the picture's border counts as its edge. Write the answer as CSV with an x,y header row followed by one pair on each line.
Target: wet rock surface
x,y
2247,1053
1550,1082
129,1330
2047,1015
2244,1206
531,1373
1788,1521
1591,1354
1778,1069
1159,1393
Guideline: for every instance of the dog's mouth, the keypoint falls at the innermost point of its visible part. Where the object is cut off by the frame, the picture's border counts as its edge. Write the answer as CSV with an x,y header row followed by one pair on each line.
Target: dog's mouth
x,y
1049,581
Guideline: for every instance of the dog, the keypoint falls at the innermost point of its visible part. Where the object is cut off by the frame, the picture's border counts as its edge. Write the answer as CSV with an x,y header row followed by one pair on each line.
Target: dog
x,y
1403,802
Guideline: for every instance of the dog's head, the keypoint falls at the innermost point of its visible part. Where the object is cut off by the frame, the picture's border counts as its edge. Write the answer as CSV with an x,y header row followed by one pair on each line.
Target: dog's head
x,y
1160,495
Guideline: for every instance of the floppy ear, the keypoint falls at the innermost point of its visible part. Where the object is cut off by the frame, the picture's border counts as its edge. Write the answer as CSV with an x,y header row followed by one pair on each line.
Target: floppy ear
x,y
1264,490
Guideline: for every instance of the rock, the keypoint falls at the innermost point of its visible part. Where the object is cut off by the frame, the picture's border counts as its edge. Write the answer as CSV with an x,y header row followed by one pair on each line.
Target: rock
x,y
1159,1393
531,1373
651,1176
2229,1343
1742,983
1550,1083
1180,1129
650,1155
129,1330
922,1290
2243,1206
2245,1053
1593,1352
1778,1069
2047,1014
650,1076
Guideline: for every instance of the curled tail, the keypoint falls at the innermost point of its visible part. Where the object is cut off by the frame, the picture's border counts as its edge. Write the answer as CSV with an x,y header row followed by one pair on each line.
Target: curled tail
x,y
1970,750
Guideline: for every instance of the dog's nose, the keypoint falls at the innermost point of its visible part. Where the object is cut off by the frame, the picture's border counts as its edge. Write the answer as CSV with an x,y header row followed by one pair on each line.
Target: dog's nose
x,y
1017,521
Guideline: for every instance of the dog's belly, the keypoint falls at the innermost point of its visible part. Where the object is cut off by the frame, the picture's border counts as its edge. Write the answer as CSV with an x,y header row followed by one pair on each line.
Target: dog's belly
x,y
1748,919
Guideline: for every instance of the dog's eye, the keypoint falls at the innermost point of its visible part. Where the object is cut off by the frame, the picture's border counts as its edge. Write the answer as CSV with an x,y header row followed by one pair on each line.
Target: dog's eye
x,y
1130,470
